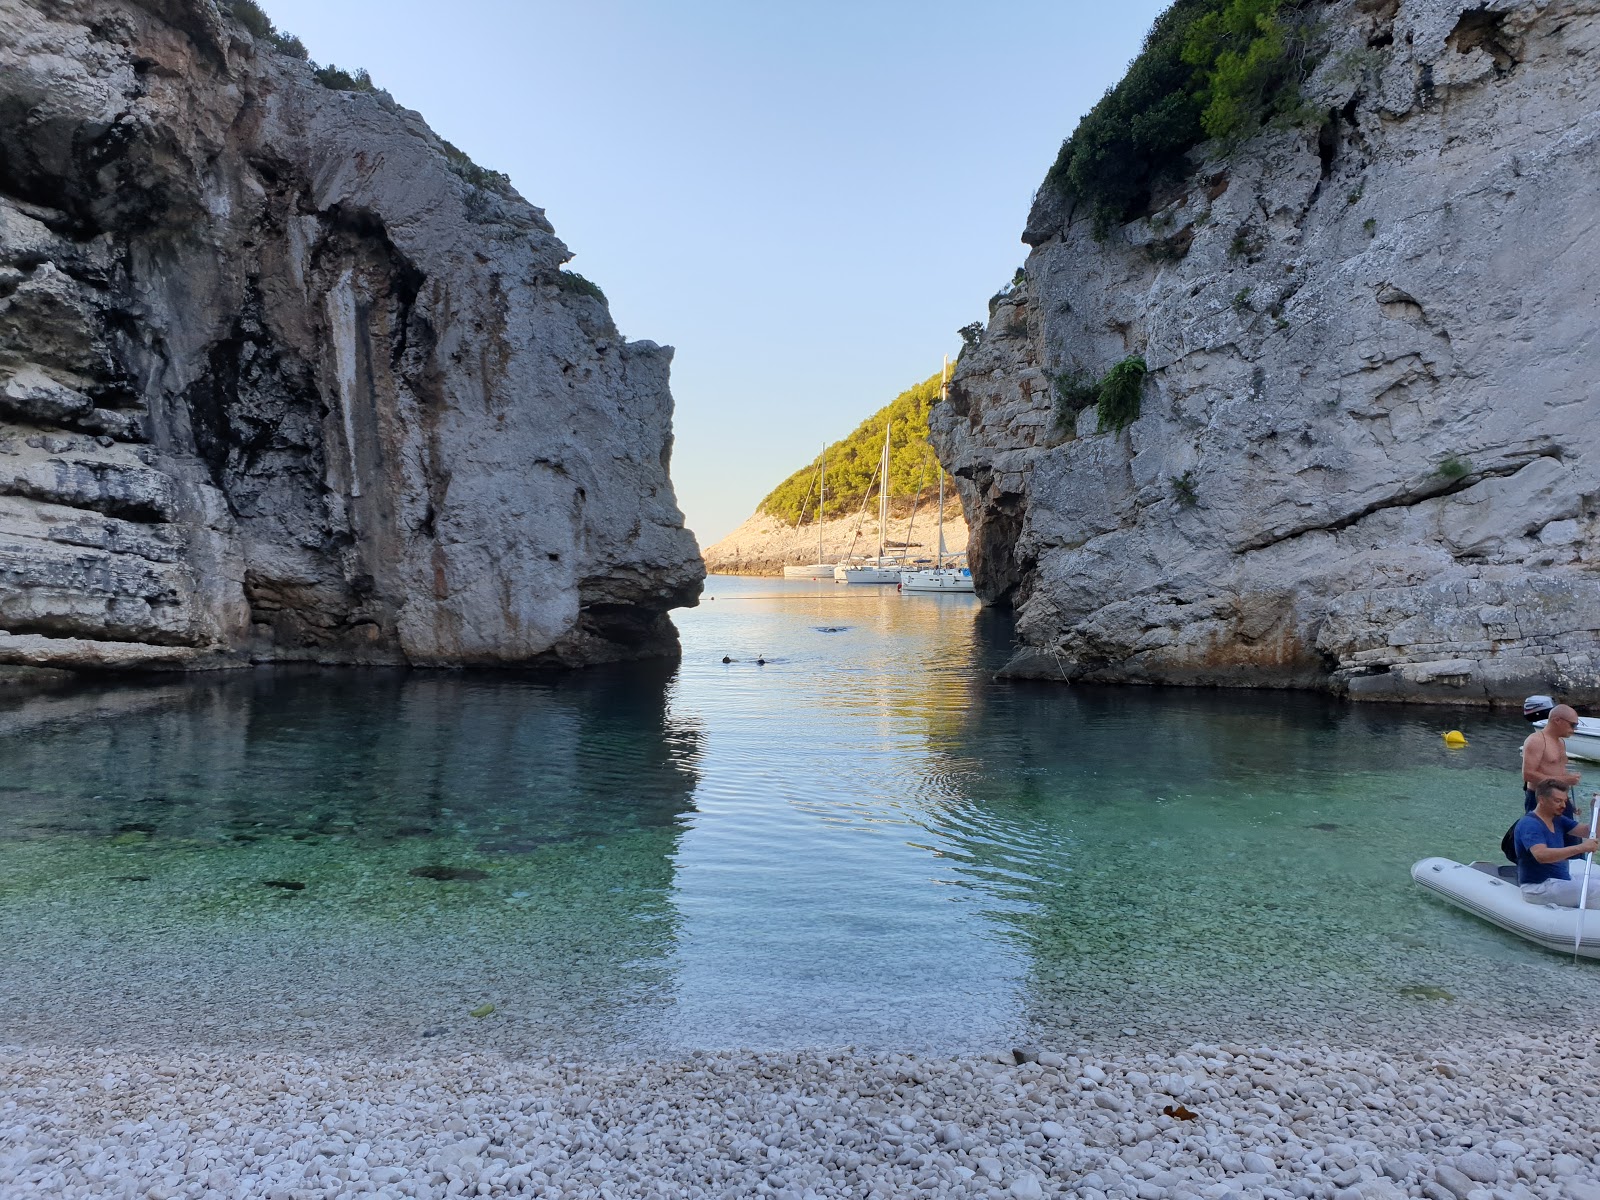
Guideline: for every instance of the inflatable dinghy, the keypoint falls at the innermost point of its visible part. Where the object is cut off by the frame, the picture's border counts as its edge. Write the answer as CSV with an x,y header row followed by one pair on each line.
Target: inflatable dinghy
x,y
1490,891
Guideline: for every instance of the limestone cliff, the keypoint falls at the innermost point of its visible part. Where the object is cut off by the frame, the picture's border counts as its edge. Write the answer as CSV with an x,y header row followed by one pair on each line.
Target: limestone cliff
x,y
283,376
1367,456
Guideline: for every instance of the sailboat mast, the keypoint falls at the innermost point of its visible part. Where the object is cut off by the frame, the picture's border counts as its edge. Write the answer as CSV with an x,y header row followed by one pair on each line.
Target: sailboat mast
x,y
944,394
883,493
822,499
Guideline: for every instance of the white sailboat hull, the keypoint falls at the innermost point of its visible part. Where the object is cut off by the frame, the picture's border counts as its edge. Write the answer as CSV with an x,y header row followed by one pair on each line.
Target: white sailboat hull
x,y
866,574
954,580
809,571
1499,901
1584,741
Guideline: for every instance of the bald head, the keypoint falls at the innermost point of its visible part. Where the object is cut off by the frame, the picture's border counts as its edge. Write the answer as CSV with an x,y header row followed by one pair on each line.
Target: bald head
x,y
1564,712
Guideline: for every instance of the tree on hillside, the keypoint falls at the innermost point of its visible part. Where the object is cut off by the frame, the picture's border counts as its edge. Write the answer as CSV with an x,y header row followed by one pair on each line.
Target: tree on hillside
x,y
853,462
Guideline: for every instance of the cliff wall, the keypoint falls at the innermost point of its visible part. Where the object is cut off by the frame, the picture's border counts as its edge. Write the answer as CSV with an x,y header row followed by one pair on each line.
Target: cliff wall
x,y
283,376
1367,458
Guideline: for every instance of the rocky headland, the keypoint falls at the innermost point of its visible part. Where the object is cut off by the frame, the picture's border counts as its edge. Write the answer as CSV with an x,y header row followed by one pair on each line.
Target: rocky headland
x,y
284,376
1364,457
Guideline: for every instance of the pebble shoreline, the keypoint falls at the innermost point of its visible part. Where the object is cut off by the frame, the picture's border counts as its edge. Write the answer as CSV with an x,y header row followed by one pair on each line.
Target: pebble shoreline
x,y
1514,1118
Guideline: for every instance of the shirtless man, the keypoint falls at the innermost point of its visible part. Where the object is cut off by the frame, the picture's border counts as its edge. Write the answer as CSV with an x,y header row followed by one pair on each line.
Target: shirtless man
x,y
1544,754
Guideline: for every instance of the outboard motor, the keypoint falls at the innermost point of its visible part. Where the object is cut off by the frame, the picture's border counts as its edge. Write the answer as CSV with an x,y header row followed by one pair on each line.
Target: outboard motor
x,y
1537,708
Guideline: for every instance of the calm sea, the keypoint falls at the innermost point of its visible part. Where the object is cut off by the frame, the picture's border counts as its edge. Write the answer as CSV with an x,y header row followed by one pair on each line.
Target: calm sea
x,y
862,840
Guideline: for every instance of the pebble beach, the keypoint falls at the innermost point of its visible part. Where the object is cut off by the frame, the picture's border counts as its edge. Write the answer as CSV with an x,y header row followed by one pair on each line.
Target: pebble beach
x,y
1514,1117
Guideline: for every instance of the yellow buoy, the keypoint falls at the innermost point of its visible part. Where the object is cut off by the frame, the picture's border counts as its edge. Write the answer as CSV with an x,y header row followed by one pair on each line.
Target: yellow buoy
x,y
1455,739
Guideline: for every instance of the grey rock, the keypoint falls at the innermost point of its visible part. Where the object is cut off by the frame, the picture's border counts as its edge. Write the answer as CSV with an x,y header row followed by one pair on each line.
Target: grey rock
x,y
375,420
1478,1167
1381,433
1452,1179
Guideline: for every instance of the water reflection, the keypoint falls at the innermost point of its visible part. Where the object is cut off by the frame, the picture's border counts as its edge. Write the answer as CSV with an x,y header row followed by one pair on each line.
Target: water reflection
x,y
281,849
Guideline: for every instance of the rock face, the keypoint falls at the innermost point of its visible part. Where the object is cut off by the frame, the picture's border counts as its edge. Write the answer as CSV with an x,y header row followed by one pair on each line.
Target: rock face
x,y
764,545
1367,456
283,376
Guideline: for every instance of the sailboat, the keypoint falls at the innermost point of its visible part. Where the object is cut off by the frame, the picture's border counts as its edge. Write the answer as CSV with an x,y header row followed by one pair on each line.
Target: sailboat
x,y
818,569
881,569
939,578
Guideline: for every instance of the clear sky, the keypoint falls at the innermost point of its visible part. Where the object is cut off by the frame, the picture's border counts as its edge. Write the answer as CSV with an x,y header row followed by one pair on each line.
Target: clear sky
x,y
806,199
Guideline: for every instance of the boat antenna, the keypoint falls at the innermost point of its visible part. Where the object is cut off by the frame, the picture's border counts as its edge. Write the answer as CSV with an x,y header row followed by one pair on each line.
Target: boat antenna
x,y
1588,867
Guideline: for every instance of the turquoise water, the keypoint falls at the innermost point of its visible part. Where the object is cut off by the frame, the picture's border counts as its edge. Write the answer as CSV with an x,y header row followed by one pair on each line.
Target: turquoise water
x,y
863,841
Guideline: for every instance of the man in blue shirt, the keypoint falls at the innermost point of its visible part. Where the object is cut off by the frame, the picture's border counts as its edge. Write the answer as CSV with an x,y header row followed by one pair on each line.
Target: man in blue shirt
x,y
1542,853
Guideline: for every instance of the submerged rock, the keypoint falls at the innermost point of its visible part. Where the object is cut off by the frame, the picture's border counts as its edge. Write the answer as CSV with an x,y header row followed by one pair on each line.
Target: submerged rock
x,y
447,873
283,376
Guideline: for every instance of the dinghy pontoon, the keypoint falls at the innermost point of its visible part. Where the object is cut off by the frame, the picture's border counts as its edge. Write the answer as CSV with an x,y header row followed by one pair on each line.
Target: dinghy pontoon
x,y
1484,890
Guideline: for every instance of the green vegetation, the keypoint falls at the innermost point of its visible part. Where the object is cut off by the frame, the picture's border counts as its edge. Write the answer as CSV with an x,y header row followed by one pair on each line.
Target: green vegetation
x,y
1246,243
1208,69
853,461
571,281
1076,390
1371,226
1241,301
971,335
1119,394
250,14
337,79
1453,468
1115,395
1183,490
483,177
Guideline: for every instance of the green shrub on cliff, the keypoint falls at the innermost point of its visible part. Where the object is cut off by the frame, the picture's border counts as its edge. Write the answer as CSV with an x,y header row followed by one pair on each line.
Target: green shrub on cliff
x,y
337,79
1117,403
1208,69
853,461
571,281
251,15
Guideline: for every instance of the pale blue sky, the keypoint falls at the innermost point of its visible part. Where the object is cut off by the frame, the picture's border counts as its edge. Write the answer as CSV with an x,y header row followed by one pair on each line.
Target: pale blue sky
x,y
807,200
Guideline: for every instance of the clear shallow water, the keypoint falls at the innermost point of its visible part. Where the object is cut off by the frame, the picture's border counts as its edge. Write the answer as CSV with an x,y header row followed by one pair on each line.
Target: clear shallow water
x,y
864,841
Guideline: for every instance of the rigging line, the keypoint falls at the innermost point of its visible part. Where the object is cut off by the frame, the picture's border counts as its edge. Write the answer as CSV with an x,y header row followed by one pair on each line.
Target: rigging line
x,y
916,499
800,519
861,514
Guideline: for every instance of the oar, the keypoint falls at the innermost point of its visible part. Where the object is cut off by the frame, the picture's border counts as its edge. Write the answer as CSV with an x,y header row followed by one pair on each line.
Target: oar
x,y
1588,866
